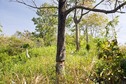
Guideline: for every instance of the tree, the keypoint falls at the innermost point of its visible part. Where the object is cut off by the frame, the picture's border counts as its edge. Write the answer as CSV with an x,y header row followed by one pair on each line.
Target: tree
x,y
110,31
29,38
46,25
95,23
63,11
77,20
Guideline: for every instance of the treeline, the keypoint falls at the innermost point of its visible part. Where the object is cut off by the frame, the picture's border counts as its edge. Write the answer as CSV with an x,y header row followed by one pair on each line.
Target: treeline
x,y
93,54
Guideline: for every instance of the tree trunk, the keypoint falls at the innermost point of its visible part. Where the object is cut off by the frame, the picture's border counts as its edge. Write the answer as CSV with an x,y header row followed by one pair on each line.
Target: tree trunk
x,y
60,56
76,21
86,34
77,38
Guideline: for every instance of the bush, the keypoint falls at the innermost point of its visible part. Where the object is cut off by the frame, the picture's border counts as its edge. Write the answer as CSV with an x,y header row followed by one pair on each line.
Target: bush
x,y
111,64
13,46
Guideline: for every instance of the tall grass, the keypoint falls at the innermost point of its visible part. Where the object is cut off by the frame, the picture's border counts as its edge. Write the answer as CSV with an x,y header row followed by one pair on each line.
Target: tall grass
x,y
40,68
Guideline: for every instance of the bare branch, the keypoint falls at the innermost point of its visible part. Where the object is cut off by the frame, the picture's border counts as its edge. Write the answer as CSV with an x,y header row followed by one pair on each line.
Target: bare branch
x,y
120,12
22,2
33,1
82,14
94,7
116,3
55,2
96,10
76,6
75,17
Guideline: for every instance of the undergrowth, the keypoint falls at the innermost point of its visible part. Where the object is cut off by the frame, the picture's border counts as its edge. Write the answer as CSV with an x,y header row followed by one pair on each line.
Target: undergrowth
x,y
81,67
40,68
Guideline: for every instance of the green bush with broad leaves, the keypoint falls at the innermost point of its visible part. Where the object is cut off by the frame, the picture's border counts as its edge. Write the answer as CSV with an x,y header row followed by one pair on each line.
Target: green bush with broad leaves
x,y
111,65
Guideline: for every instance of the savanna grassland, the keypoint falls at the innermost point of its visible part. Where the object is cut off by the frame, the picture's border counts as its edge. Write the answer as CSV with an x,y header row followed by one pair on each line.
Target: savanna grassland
x,y
103,62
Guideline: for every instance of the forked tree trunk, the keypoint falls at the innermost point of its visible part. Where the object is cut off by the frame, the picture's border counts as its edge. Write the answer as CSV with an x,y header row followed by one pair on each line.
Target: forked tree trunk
x,y
76,21
60,56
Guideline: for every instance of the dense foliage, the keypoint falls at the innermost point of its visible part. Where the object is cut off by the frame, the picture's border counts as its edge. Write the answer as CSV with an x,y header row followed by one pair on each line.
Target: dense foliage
x,y
46,24
104,62
29,57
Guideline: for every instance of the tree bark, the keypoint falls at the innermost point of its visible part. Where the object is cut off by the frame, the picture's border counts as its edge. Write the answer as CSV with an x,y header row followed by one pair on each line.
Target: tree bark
x,y
76,21
86,34
77,38
60,56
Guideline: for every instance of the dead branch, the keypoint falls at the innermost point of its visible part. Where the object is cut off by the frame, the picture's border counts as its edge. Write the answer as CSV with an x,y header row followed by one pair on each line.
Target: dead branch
x,y
97,10
33,6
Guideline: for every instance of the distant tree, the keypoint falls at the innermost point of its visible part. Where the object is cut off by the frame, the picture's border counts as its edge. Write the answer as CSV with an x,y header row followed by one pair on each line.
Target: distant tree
x,y
30,37
11,45
95,24
25,34
77,19
46,23
110,31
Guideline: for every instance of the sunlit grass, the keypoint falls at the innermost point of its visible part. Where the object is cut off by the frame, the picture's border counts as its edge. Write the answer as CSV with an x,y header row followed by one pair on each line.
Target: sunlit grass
x,y
40,68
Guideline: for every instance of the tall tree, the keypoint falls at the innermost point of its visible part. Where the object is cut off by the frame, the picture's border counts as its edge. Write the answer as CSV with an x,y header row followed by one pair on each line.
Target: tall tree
x,y
93,25
46,23
95,22
63,11
77,19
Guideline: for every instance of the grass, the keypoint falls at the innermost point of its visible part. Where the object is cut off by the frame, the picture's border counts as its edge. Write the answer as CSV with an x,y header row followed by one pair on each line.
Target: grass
x,y
40,68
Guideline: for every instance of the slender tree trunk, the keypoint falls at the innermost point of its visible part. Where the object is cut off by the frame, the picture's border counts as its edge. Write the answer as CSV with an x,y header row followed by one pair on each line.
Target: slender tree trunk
x,y
60,56
86,34
77,38
87,44
76,21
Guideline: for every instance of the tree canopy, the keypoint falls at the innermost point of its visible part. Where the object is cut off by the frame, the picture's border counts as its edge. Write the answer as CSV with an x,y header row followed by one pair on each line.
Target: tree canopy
x,y
46,24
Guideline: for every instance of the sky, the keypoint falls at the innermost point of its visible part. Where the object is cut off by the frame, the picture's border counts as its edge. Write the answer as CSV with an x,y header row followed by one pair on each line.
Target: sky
x,y
17,17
